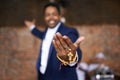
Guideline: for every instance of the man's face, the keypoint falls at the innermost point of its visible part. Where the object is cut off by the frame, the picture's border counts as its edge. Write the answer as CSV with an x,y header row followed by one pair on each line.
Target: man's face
x,y
52,16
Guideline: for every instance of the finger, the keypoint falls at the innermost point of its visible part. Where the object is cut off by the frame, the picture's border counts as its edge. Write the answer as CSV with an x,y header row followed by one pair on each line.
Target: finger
x,y
78,41
69,43
62,41
56,47
59,53
60,47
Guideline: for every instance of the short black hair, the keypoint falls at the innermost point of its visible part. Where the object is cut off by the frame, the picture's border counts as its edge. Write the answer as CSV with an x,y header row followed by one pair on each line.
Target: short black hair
x,y
53,5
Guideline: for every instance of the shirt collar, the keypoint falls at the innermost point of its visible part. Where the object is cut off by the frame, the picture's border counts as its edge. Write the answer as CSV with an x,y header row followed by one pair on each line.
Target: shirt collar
x,y
56,27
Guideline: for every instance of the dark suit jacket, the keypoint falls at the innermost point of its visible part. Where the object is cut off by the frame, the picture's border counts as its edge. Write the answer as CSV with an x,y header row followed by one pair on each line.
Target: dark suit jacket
x,y
53,71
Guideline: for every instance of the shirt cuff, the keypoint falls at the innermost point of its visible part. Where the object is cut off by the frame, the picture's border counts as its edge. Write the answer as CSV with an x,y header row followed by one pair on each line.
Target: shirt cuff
x,y
32,27
74,63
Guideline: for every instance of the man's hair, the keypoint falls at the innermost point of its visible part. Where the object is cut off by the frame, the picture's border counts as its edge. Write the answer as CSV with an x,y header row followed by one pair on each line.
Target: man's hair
x,y
53,5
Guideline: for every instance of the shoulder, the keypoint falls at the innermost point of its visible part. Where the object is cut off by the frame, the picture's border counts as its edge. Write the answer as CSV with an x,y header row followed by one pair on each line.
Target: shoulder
x,y
71,32
68,29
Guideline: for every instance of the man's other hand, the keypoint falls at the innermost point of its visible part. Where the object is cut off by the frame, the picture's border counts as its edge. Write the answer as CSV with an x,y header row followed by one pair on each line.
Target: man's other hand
x,y
29,23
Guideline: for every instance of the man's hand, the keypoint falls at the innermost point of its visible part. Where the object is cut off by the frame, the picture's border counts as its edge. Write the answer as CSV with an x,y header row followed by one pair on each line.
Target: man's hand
x,y
64,45
29,23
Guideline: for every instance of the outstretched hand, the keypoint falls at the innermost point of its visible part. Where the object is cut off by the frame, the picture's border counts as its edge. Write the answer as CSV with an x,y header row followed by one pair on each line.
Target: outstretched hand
x,y
64,45
29,23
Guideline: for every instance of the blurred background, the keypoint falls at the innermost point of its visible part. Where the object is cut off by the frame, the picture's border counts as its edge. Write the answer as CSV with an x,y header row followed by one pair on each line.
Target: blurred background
x,y
97,20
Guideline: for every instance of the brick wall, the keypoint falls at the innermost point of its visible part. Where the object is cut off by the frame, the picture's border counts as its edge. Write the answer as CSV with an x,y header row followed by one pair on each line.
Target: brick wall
x,y
18,54
19,49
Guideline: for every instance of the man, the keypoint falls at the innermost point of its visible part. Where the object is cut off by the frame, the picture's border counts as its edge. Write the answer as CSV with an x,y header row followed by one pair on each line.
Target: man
x,y
98,65
58,54
81,70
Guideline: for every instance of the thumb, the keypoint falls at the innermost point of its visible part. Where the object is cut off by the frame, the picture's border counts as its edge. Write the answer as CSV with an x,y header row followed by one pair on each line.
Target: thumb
x,y
78,41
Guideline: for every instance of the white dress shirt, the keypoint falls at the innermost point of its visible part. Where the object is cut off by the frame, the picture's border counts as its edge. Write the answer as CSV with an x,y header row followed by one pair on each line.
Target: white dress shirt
x,y
46,47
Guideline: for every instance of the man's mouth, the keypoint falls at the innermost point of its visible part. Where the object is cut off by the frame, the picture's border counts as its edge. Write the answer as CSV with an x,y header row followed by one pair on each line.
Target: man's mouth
x,y
51,21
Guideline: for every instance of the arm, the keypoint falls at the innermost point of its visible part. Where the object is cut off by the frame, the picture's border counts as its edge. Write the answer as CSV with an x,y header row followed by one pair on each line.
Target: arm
x,y
33,29
37,33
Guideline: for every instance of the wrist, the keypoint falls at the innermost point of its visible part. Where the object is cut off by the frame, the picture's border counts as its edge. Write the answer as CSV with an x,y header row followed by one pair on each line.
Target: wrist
x,y
69,59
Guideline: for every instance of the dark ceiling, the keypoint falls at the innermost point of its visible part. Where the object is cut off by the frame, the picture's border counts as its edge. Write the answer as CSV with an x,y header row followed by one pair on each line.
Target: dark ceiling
x,y
14,12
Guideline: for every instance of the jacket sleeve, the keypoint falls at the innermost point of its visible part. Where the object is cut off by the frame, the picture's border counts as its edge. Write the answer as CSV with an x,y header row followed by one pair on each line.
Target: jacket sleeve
x,y
37,33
